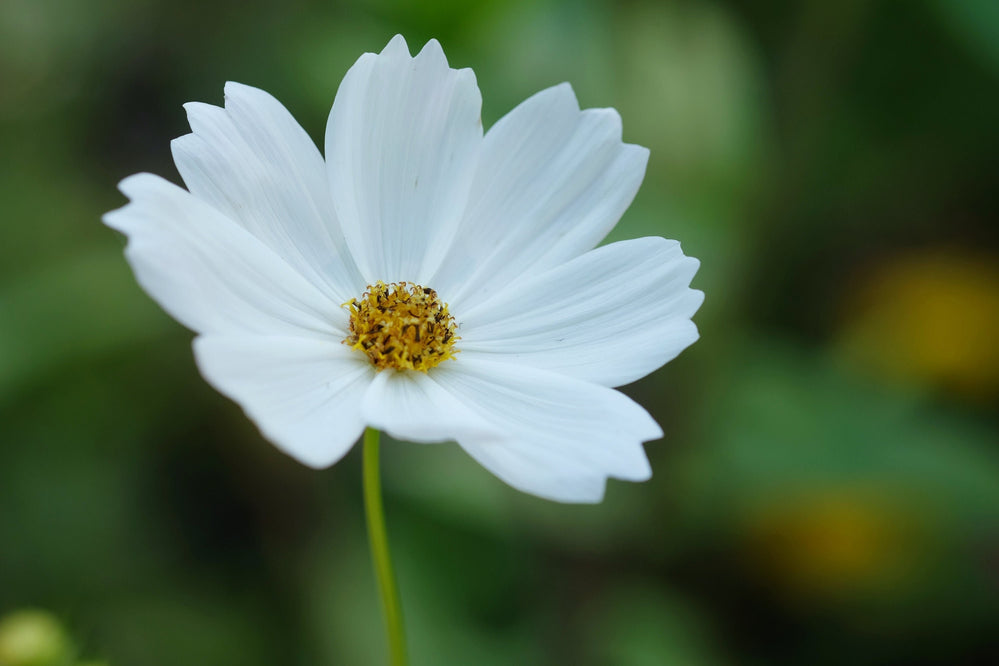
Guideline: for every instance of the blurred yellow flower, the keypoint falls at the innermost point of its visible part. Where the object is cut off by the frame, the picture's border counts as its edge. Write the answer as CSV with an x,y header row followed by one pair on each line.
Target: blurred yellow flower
x,y
929,318
833,542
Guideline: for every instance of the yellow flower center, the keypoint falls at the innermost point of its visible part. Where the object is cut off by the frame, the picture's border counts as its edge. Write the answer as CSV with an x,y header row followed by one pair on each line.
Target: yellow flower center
x,y
401,325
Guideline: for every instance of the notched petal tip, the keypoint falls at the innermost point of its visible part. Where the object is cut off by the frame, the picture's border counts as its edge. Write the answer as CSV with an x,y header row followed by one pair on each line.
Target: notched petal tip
x,y
232,91
194,108
113,218
241,96
685,265
138,184
688,266
594,496
309,459
561,98
432,52
611,117
203,117
612,126
695,333
640,474
559,95
235,88
184,145
119,218
395,47
565,88
637,153
433,49
467,76
697,296
647,429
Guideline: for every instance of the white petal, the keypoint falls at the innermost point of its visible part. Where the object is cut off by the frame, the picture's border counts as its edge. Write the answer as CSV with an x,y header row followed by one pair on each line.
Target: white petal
x,y
554,437
611,316
401,146
255,164
552,181
411,406
304,394
211,274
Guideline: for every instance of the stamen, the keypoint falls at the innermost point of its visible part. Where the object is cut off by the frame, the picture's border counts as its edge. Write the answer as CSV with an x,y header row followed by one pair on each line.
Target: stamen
x,y
401,325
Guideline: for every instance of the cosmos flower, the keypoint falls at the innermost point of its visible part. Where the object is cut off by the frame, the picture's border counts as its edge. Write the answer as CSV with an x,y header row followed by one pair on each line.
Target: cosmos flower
x,y
426,278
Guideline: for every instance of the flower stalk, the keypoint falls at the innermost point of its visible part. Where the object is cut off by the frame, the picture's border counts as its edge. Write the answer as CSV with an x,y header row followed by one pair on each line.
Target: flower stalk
x,y
380,556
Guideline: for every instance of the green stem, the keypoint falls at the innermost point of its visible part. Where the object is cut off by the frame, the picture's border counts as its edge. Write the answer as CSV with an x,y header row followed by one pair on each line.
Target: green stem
x,y
378,539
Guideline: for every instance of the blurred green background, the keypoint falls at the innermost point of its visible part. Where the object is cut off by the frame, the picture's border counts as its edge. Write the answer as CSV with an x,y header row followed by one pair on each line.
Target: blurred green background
x,y
828,490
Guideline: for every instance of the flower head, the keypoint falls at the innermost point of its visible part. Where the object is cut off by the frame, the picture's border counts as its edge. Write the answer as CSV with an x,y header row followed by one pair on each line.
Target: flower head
x,y
425,278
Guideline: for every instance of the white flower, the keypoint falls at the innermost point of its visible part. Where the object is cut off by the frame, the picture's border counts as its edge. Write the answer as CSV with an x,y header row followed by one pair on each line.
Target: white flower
x,y
284,264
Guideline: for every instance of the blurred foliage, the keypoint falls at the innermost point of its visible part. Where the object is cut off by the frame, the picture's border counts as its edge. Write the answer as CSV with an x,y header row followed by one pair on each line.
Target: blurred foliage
x,y
828,492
